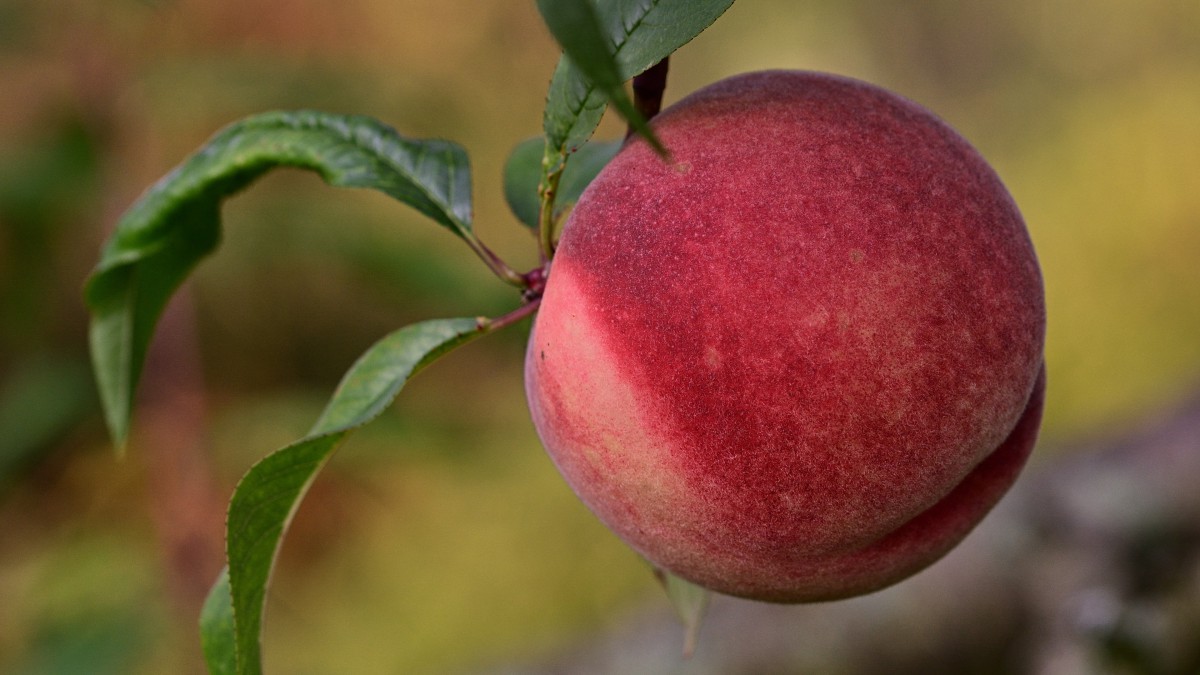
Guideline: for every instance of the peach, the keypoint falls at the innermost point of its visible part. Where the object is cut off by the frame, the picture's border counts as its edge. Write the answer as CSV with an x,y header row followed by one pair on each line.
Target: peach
x,y
804,359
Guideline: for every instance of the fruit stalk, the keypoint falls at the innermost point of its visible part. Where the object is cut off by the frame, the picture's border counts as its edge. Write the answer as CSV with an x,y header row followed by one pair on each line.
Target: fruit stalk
x,y
648,89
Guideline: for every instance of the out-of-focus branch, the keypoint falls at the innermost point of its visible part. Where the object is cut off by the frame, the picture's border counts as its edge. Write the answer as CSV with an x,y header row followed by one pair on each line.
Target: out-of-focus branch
x,y
186,502
187,506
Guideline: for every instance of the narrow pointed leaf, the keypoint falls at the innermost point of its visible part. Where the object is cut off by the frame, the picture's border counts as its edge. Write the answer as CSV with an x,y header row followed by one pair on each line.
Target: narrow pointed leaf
x,y
577,27
690,602
217,638
177,222
640,33
524,168
269,494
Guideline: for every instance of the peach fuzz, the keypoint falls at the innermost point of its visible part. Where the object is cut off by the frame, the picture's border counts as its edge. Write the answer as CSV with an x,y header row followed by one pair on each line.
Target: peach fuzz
x,y
802,360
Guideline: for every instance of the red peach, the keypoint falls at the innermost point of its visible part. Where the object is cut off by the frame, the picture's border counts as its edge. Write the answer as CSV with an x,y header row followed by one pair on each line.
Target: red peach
x,y
804,359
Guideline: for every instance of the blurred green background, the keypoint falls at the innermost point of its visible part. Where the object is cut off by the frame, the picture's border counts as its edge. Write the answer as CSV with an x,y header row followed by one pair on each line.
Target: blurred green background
x,y
441,538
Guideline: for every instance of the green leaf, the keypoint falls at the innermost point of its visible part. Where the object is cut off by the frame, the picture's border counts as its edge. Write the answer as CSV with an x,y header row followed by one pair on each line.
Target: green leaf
x,y
640,34
524,167
522,172
269,494
177,222
585,164
690,602
217,638
577,26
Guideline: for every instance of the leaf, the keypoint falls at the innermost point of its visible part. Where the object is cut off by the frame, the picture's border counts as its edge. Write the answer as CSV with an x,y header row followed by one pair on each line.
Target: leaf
x,y
577,26
690,602
585,165
641,33
268,495
177,222
523,170
217,638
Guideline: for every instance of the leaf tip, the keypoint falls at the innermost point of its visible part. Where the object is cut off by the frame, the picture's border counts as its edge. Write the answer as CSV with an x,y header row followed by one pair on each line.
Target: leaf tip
x,y
118,430
662,151
116,418
645,131
690,602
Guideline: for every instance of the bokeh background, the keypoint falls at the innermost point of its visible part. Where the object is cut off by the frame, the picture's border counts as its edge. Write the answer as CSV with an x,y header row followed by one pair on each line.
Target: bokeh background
x,y
441,539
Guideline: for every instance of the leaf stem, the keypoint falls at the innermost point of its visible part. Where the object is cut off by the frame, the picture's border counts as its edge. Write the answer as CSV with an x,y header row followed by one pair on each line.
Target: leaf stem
x,y
495,263
491,325
553,162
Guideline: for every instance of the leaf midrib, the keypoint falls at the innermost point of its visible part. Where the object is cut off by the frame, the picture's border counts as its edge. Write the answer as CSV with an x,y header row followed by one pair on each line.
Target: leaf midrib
x,y
590,87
